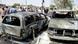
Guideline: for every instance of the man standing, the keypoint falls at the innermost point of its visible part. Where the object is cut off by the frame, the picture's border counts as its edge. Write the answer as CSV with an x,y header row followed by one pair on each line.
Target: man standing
x,y
46,11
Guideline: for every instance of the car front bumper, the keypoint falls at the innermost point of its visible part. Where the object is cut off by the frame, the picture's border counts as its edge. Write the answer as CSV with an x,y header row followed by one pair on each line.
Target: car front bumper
x,y
63,38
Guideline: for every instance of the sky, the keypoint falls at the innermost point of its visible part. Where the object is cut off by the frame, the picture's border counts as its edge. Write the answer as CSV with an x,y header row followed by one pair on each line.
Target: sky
x,y
76,2
33,2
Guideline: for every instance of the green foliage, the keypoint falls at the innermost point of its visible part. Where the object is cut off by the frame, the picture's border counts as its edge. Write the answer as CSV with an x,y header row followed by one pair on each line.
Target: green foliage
x,y
14,5
52,7
30,6
66,4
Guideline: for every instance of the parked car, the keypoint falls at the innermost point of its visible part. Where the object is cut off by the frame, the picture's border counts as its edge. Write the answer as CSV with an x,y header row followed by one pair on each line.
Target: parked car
x,y
63,26
21,25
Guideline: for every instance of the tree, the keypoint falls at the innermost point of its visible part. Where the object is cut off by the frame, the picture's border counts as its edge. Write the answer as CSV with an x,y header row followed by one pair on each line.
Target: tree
x,y
63,4
16,4
52,7
30,6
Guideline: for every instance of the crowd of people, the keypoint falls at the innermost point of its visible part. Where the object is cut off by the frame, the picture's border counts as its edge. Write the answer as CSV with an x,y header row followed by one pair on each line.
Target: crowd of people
x,y
9,10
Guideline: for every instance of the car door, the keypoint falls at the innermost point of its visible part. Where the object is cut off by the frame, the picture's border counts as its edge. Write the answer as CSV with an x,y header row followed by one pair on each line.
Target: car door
x,y
35,21
40,21
11,25
28,22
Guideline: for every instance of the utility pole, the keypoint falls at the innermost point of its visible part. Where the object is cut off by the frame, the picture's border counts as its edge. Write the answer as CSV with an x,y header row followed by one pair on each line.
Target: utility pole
x,y
26,5
26,2
42,8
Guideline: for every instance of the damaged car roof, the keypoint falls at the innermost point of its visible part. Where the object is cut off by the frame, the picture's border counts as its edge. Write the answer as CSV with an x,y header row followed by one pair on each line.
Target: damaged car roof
x,y
21,14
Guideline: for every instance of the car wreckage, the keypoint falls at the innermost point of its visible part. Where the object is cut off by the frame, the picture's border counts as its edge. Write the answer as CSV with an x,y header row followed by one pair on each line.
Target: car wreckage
x,y
20,25
63,26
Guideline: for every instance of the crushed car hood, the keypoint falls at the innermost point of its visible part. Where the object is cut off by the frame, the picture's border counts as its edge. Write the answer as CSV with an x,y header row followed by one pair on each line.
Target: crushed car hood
x,y
64,23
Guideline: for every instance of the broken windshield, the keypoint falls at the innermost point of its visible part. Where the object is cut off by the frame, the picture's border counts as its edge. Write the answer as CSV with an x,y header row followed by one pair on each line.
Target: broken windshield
x,y
63,14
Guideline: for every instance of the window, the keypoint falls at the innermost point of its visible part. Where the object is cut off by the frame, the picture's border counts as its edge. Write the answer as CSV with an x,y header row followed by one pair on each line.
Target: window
x,y
11,20
29,19
33,18
63,15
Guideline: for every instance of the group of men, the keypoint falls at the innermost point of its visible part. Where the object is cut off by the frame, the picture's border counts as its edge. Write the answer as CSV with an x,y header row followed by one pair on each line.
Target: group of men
x,y
7,10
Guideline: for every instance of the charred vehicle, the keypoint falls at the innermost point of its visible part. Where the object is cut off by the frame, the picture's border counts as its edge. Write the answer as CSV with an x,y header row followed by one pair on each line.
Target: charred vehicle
x,y
21,25
63,26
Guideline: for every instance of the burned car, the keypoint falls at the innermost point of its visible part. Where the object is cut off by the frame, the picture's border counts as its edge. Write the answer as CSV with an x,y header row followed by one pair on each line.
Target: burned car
x,y
63,26
21,25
